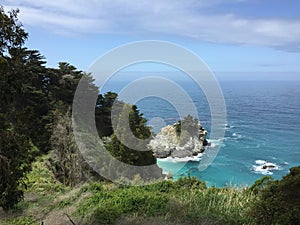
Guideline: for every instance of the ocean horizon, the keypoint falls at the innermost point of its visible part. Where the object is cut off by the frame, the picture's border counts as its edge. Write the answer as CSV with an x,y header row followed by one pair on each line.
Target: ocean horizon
x,y
262,126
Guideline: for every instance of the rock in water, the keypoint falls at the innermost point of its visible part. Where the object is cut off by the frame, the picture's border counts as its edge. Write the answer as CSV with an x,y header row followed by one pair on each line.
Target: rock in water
x,y
170,142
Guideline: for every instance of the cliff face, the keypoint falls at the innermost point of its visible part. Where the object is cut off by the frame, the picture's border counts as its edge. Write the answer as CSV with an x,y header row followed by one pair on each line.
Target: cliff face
x,y
169,142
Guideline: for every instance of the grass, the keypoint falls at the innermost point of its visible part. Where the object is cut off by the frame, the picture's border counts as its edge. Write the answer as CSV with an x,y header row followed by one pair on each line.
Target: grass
x,y
42,181
187,201
226,205
21,221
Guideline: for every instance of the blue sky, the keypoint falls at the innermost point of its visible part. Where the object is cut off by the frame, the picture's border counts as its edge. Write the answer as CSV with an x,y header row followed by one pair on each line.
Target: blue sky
x,y
236,38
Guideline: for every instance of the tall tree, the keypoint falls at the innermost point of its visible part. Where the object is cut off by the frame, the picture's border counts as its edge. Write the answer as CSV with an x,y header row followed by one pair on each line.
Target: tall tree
x,y
103,113
15,146
67,161
29,106
138,129
16,154
12,34
63,82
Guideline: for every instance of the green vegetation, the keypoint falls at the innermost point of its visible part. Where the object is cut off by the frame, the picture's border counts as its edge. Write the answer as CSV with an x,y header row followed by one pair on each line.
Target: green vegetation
x,y
40,161
185,201
21,221
189,127
278,202
188,124
35,116
42,181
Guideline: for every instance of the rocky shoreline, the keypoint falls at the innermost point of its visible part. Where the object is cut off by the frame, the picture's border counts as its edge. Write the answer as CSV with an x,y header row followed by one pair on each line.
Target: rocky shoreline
x,y
186,143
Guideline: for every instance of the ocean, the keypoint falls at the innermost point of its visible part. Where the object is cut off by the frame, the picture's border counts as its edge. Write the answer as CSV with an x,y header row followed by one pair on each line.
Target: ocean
x,y
262,126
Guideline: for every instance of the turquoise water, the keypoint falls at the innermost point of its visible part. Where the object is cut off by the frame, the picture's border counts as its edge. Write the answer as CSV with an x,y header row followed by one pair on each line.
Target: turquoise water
x,y
263,123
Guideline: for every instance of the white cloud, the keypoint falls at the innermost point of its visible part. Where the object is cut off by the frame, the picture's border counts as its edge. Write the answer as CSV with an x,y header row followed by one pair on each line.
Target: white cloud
x,y
57,22
181,18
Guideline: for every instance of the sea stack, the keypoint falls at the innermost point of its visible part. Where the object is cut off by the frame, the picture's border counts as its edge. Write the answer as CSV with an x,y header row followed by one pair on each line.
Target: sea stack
x,y
185,138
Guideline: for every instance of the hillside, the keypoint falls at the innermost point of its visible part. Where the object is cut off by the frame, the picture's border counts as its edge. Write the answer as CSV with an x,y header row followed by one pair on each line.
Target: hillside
x,y
186,201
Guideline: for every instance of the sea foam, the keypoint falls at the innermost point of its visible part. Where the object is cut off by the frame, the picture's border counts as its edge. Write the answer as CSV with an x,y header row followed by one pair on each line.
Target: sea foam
x,y
196,158
264,167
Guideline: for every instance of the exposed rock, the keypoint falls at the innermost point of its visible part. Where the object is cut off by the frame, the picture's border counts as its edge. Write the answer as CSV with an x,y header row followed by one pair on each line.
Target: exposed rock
x,y
268,166
169,143
181,153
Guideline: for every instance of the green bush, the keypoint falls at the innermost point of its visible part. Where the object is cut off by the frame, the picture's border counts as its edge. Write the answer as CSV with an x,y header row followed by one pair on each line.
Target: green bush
x,y
279,201
260,184
42,181
15,161
106,206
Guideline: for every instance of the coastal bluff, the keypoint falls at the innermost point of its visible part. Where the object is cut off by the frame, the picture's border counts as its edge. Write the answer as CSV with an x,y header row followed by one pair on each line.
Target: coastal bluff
x,y
180,140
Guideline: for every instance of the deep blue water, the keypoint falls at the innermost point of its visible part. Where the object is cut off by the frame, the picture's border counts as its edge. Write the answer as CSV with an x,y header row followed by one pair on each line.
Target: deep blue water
x,y
263,123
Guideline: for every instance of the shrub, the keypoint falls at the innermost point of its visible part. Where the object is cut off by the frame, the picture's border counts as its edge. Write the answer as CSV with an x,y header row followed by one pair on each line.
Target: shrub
x,y
279,201
105,207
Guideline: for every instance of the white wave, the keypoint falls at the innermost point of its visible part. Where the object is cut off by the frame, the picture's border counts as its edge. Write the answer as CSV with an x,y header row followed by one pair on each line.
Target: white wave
x,y
196,158
260,162
238,136
257,169
264,167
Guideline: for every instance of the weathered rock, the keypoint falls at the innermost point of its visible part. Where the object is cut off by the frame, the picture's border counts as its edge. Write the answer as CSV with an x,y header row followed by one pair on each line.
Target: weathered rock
x,y
162,153
268,166
181,153
168,143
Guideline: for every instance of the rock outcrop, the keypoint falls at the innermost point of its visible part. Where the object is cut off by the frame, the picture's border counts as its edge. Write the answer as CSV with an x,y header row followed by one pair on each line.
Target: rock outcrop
x,y
169,142
269,166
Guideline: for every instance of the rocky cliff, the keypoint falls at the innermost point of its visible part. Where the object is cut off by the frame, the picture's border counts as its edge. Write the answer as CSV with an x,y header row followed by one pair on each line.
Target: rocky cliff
x,y
178,143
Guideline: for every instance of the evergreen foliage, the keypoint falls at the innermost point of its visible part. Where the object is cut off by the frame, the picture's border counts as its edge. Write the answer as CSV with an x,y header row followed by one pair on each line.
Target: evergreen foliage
x,y
279,200
15,157
35,115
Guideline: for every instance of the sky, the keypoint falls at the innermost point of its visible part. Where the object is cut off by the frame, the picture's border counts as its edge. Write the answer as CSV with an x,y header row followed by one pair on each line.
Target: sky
x,y
237,39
